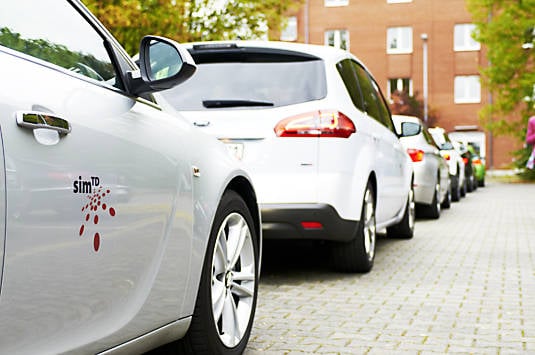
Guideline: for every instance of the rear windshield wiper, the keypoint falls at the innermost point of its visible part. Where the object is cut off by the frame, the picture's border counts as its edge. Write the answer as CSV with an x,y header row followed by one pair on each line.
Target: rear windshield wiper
x,y
234,103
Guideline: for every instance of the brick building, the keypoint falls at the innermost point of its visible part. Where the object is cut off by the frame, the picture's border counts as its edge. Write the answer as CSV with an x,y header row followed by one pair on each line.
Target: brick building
x,y
421,46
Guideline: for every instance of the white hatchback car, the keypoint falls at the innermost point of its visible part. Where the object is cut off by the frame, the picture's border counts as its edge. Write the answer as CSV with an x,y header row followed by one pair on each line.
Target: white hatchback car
x,y
459,183
123,227
316,135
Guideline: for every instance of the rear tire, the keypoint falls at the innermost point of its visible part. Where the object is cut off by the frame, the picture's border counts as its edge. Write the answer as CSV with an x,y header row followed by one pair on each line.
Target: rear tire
x,y
226,300
358,255
447,200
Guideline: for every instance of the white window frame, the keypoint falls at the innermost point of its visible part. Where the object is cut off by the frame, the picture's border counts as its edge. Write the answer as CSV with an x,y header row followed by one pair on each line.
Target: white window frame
x,y
467,89
462,38
334,3
338,36
289,32
402,36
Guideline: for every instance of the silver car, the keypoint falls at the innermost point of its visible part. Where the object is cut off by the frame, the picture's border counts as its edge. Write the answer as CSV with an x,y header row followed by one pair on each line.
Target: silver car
x,y
432,188
123,227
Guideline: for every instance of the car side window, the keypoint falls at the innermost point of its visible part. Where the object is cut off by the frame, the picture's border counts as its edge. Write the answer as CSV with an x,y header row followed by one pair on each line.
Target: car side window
x,y
54,31
345,69
369,95
383,107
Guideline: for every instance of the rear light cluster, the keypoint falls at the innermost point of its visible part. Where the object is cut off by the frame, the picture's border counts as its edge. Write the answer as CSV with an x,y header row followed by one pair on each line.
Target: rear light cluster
x,y
465,161
416,154
447,156
321,123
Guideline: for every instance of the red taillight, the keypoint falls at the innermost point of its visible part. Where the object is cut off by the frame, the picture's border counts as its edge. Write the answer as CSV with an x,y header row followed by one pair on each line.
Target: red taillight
x,y
322,123
311,225
447,156
416,154
465,160
477,161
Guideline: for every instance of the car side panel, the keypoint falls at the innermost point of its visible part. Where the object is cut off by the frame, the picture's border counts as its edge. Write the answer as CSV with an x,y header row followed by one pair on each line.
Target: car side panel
x,y
62,289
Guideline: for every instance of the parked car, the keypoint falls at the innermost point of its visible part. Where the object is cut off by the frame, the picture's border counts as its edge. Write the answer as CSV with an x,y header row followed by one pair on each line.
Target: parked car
x,y
479,168
469,170
312,127
455,162
432,189
137,229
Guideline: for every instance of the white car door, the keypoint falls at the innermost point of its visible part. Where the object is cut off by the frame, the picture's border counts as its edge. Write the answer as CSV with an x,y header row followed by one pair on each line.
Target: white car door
x,y
392,187
96,191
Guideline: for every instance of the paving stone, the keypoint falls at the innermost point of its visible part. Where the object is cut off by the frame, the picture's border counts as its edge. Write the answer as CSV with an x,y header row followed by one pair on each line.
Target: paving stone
x,y
465,284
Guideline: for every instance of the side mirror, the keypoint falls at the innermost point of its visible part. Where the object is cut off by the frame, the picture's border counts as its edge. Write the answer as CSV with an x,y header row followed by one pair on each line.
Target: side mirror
x,y
409,129
446,146
163,64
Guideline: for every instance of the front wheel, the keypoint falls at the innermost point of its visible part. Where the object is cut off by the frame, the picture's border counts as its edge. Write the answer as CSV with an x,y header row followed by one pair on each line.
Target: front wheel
x,y
226,299
405,228
358,255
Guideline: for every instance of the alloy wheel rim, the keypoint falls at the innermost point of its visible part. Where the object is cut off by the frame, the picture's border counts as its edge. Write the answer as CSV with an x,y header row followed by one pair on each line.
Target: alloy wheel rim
x,y
437,196
412,209
369,225
233,279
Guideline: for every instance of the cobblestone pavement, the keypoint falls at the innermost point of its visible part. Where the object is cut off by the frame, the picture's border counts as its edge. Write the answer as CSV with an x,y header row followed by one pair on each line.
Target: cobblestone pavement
x,y
464,284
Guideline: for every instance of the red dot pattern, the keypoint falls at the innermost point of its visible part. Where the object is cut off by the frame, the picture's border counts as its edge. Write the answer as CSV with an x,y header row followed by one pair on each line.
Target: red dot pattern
x,y
93,206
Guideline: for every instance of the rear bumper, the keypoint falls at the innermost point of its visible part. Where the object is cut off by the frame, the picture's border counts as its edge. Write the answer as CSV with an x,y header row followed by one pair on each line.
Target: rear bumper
x,y
283,221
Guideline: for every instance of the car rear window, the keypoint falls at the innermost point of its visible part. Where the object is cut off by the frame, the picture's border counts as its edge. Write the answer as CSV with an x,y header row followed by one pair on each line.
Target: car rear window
x,y
248,77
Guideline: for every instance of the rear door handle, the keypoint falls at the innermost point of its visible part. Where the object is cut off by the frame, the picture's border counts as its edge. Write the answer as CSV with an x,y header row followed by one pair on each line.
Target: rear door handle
x,y
35,119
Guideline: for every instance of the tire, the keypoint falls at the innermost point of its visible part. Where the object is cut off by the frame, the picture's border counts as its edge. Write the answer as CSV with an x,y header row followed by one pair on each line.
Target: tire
x,y
433,210
447,200
455,188
470,184
223,325
464,188
358,255
405,228
481,182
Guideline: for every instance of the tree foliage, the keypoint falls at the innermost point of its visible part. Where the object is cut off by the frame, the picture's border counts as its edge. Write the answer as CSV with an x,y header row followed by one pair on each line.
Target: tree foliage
x,y
186,21
503,26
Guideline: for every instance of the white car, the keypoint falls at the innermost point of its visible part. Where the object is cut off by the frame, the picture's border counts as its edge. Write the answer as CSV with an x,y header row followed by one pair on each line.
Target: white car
x,y
455,162
123,227
431,171
316,135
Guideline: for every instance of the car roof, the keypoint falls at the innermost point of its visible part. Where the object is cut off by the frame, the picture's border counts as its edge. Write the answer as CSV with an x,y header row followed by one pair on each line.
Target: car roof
x,y
327,53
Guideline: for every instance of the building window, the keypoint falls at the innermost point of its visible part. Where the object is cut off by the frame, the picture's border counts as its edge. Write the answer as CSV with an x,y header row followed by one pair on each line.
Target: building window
x,y
397,1
399,40
467,89
337,39
289,32
333,3
399,85
463,40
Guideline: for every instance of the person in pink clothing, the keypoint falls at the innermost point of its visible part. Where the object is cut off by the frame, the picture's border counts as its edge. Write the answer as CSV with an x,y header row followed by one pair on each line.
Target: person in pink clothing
x,y
530,139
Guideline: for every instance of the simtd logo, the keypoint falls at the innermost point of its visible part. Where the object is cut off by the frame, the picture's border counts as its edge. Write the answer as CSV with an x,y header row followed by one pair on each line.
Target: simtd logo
x,y
96,207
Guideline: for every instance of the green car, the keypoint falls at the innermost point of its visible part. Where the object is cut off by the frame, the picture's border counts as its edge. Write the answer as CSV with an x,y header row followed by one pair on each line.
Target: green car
x,y
478,164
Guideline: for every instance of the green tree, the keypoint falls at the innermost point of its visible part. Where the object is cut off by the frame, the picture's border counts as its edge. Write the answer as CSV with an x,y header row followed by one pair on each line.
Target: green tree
x,y
186,21
504,27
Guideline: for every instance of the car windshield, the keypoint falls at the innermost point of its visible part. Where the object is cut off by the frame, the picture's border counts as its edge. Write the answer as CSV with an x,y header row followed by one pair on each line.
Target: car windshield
x,y
250,84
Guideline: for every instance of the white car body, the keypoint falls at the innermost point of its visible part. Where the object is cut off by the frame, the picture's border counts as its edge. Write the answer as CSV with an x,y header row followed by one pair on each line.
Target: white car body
x,y
105,224
431,171
300,179
454,159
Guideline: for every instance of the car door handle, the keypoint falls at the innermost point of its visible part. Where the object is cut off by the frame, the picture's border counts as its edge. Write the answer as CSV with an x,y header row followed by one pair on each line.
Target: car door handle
x,y
201,123
35,119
